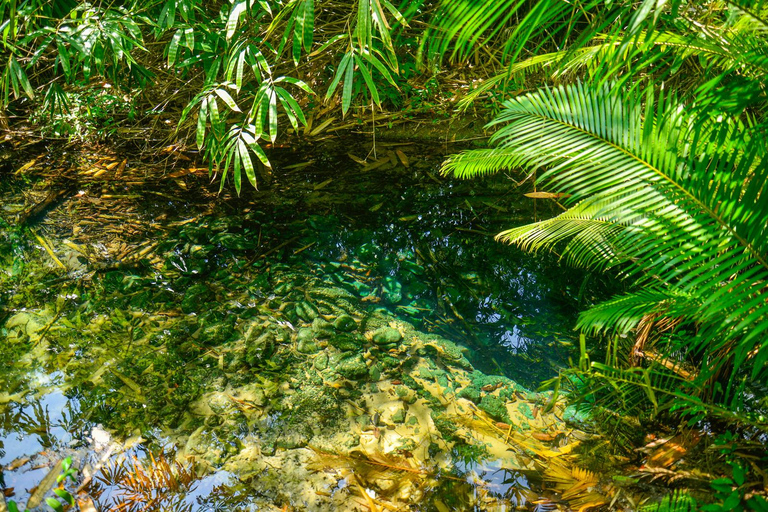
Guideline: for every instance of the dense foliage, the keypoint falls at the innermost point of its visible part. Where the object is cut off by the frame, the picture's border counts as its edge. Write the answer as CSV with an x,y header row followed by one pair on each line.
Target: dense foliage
x,y
656,140
646,118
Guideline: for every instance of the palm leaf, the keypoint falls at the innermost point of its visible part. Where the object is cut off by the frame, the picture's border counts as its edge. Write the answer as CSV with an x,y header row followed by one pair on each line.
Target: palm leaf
x,y
676,195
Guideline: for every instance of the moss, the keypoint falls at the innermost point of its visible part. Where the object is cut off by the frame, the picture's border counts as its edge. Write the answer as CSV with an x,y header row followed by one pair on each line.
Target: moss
x,y
386,336
495,407
470,453
389,362
345,342
353,367
345,323
525,410
426,373
446,427
471,393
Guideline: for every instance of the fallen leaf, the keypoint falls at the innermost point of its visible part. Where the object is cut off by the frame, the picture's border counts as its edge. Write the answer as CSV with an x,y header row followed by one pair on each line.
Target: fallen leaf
x,y
402,157
546,195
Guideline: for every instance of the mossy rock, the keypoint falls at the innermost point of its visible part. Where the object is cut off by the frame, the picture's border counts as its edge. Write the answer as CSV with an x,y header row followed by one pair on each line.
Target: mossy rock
x,y
405,394
305,341
345,323
449,352
575,416
306,311
399,416
322,329
471,393
353,367
386,336
389,362
525,410
321,362
345,342
392,291
292,439
261,349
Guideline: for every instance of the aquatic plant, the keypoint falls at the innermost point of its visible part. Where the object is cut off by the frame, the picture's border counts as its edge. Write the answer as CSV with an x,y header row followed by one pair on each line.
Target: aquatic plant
x,y
153,483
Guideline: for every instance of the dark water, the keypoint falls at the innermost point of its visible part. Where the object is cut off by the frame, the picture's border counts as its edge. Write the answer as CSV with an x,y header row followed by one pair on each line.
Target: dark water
x,y
214,329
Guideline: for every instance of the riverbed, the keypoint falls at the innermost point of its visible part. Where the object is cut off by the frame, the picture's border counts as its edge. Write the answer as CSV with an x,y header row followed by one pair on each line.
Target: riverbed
x,y
348,337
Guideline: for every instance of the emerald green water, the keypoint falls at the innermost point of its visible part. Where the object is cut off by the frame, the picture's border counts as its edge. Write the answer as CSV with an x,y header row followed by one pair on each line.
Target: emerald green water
x,y
274,341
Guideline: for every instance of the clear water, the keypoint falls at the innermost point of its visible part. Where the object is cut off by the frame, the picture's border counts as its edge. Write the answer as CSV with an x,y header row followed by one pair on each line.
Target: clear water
x,y
246,337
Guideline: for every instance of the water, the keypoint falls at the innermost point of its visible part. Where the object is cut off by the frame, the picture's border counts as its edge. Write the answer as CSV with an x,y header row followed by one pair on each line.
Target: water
x,y
341,339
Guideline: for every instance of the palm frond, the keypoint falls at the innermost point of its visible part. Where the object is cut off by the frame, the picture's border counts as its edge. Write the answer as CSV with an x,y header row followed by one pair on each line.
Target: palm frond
x,y
680,197
623,314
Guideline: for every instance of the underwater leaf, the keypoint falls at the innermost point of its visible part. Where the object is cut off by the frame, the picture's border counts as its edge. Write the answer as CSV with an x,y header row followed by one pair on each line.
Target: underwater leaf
x,y
44,486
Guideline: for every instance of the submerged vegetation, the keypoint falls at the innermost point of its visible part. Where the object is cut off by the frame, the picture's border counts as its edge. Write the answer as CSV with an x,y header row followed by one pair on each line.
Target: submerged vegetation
x,y
355,325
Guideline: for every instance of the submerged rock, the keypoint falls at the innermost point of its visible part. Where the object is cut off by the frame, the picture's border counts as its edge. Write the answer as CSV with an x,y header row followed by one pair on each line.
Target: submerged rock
x,y
345,342
261,349
353,367
345,323
386,336
305,341
322,329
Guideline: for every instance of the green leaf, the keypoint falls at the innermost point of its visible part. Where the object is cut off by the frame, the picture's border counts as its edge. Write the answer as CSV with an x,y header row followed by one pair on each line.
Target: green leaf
x,y
247,163
234,16
55,504
63,494
346,94
64,59
173,47
295,81
21,76
236,173
363,27
368,80
189,38
339,73
291,105
272,116
335,39
224,95
202,115
309,24
262,156
380,67
296,53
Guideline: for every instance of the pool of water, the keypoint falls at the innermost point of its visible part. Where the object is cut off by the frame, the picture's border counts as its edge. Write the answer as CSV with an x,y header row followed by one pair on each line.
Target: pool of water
x,y
342,339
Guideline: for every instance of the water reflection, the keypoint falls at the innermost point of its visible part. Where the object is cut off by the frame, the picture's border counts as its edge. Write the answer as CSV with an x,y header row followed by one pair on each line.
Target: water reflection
x,y
248,333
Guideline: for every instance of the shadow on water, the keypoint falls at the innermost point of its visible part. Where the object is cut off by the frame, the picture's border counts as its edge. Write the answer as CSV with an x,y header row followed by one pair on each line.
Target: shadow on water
x,y
340,339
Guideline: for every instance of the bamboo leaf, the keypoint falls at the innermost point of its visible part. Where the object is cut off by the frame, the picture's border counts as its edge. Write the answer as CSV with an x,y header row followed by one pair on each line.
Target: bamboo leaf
x,y
247,163
238,8
173,47
346,94
339,73
225,96
368,80
272,115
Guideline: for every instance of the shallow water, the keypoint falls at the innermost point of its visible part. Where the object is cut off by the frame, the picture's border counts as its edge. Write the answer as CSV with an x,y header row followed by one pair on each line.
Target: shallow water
x,y
340,340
